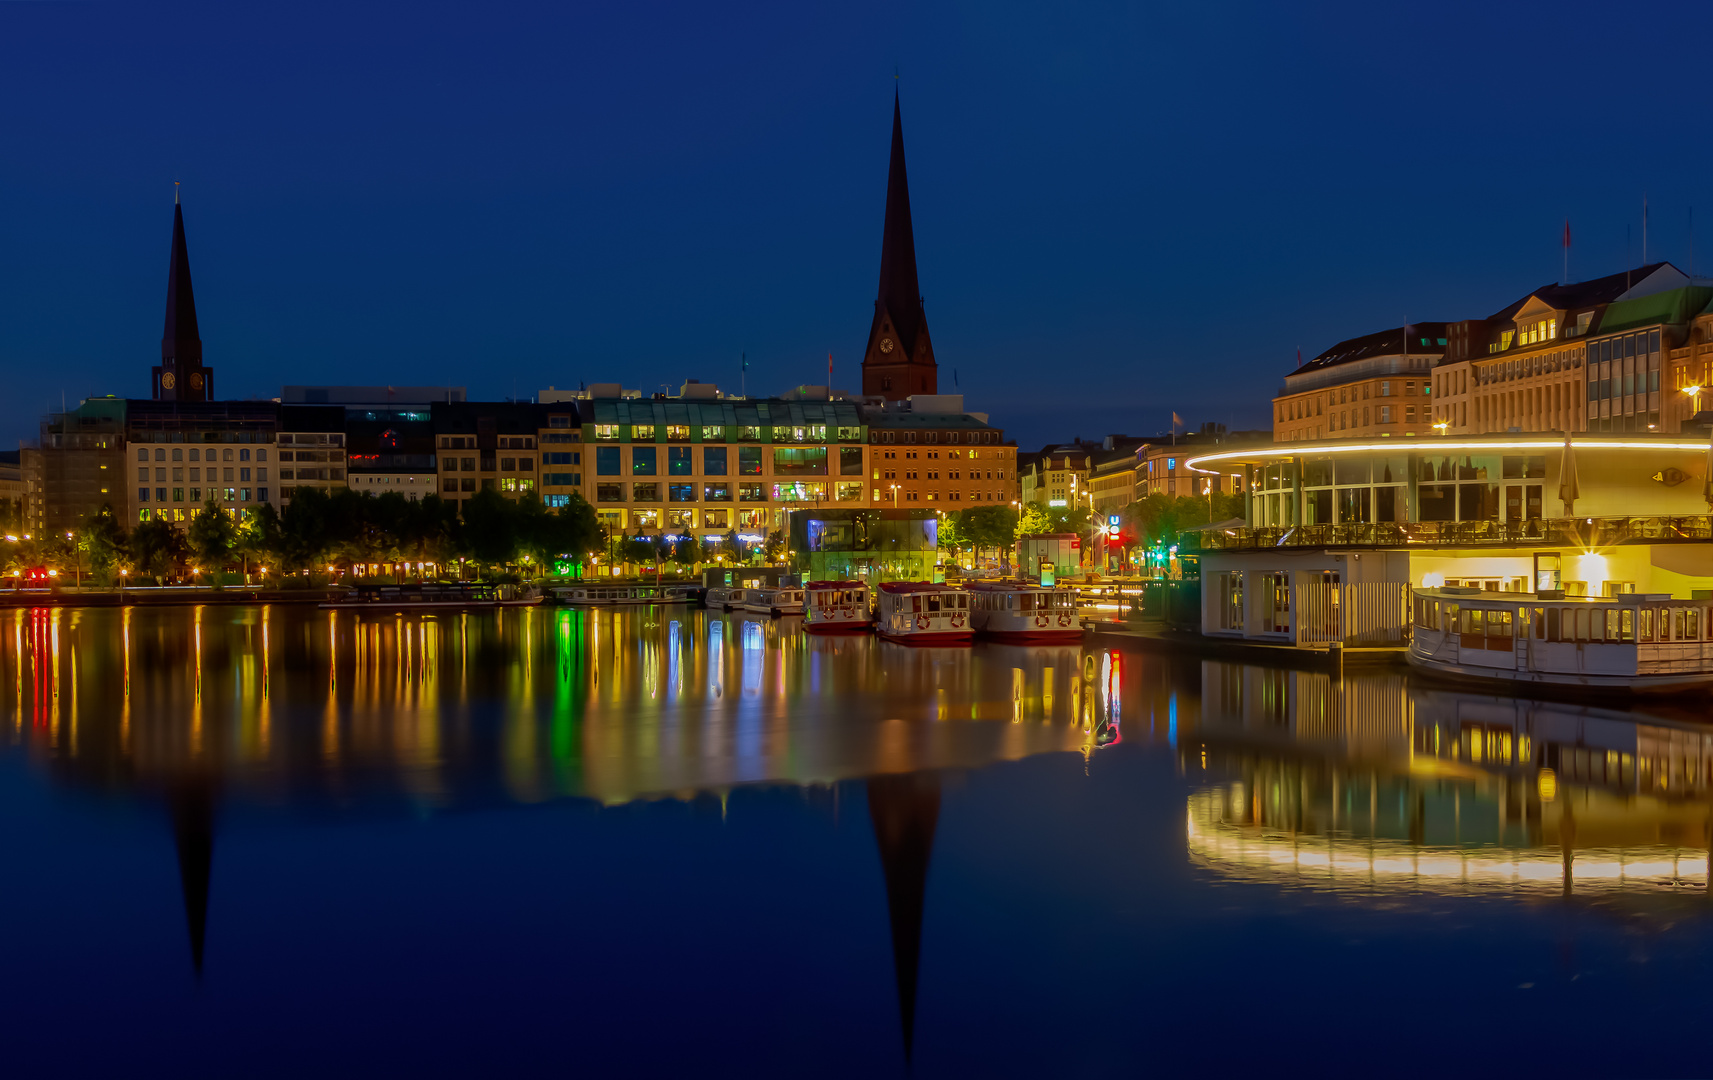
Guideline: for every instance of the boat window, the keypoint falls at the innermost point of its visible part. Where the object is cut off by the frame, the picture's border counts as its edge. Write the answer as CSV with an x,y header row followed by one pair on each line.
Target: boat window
x,y
1677,624
933,603
1645,625
1552,624
1581,625
1692,624
1627,625
1540,624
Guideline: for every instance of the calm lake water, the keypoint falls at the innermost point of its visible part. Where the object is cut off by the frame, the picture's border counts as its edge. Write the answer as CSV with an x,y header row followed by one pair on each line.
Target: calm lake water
x,y
279,842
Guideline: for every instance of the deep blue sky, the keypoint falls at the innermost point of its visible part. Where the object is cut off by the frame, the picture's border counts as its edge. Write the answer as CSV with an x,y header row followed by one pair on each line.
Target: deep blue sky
x,y
1120,210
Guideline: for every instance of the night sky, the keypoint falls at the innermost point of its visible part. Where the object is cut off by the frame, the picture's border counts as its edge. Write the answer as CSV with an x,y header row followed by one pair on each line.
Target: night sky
x,y
1120,211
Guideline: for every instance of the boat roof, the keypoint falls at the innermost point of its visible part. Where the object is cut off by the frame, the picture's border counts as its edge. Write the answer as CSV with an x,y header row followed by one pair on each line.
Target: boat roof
x,y
1015,586
836,585
419,586
915,587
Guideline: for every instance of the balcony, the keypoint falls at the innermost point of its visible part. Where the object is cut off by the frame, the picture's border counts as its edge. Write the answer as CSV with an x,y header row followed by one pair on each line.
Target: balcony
x,y
1548,532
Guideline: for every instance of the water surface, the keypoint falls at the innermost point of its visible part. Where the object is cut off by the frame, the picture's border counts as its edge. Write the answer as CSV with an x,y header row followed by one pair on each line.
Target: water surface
x,y
271,841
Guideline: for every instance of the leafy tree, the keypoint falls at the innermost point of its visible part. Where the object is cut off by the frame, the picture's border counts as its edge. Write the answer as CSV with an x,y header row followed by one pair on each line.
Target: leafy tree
x,y
635,550
104,543
951,535
990,527
490,533
157,548
211,535
1033,522
260,536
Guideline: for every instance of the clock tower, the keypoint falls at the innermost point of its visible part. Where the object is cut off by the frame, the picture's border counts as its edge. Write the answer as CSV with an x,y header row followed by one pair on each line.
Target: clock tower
x,y
180,375
899,360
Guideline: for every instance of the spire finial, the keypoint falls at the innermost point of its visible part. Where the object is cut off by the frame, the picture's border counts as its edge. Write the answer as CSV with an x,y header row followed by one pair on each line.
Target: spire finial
x,y
175,192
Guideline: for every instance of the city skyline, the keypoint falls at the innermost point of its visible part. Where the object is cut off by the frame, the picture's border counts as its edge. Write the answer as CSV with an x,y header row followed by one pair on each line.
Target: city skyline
x,y
361,218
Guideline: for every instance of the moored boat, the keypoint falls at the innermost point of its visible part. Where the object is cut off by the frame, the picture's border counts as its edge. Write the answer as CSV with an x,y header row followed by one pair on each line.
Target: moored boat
x,y
723,597
1013,611
1631,643
922,613
784,600
596,595
412,596
837,607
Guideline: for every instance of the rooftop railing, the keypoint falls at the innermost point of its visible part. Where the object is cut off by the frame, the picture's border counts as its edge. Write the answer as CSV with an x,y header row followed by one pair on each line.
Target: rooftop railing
x,y
1550,532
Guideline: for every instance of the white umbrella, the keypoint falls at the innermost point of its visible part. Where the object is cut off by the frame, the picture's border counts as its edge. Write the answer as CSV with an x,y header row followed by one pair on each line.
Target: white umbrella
x,y
1568,491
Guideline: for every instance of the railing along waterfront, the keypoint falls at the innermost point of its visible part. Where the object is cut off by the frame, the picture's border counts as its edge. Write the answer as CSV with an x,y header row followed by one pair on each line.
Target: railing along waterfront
x,y
1599,532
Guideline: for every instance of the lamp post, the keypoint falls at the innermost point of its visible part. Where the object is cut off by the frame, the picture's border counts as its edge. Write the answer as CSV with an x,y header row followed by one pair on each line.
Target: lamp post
x,y
1694,393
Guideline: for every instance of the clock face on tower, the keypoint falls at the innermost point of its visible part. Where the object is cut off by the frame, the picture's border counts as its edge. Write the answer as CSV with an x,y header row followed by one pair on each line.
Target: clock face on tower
x,y
167,380
886,344
196,380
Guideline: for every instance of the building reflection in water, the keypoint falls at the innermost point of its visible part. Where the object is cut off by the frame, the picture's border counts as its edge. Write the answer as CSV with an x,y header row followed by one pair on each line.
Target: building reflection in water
x,y
188,707
1372,782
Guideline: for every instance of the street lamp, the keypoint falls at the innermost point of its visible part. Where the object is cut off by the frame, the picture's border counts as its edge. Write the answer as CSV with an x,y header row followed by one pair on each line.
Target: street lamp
x,y
1442,426
1694,393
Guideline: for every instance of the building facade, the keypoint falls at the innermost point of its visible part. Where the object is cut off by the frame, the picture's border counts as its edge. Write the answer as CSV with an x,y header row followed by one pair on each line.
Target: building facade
x,y
1372,386
928,451
76,467
1545,361
705,467
185,454
1057,475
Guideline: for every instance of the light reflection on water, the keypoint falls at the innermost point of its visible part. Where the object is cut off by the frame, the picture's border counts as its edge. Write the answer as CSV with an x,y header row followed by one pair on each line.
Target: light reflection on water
x,y
607,705
1038,770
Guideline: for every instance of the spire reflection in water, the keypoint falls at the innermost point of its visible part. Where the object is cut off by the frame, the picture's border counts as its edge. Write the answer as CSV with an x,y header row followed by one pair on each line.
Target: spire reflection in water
x,y
357,714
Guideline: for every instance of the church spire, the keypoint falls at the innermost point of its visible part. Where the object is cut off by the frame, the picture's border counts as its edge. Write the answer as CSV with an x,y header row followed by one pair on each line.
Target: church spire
x,y
899,360
181,376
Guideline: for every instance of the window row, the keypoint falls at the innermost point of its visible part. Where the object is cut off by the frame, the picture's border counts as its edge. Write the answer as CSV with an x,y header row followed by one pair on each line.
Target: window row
x,y
193,453
796,491
177,494
717,461
680,433
178,474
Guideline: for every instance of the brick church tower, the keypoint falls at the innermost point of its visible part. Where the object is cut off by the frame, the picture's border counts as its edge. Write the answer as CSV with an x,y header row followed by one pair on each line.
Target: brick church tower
x,y
899,360
180,375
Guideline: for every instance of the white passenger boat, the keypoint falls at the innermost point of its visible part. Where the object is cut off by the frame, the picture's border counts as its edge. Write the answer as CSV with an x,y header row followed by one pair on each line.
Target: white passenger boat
x,y
1636,642
411,596
1009,611
783,600
595,595
723,597
837,607
922,613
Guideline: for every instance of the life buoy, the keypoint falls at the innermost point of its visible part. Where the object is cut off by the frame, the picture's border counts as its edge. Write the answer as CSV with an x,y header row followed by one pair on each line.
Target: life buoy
x,y
921,622
957,620
1041,620
1064,618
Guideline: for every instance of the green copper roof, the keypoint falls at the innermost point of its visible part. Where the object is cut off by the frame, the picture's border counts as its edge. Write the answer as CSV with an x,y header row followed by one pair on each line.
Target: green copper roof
x,y
1674,306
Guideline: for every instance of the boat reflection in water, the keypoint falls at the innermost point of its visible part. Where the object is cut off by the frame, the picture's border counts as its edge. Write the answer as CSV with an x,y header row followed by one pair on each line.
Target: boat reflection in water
x,y
351,713
1373,783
